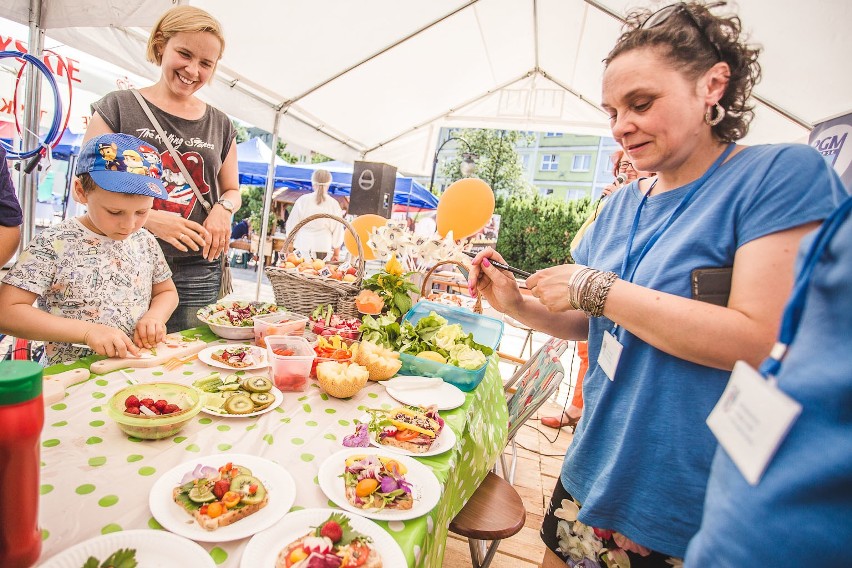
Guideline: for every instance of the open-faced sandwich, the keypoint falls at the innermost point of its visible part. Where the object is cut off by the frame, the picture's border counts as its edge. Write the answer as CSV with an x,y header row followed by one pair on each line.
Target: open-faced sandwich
x,y
217,498
236,356
411,428
333,544
376,482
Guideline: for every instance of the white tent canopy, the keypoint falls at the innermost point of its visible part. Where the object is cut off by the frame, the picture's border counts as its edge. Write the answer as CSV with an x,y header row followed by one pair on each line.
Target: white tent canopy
x,y
376,80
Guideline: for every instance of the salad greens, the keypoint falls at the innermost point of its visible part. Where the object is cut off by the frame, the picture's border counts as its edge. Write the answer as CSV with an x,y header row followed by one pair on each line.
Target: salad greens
x,y
430,334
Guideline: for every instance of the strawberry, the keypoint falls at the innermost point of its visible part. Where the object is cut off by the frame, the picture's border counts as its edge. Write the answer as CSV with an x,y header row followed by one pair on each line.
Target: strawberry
x,y
161,405
131,402
170,408
332,530
133,410
149,402
221,487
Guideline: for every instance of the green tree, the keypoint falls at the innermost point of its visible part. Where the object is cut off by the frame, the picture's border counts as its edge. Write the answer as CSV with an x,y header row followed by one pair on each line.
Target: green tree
x,y
242,131
536,231
317,158
498,163
285,155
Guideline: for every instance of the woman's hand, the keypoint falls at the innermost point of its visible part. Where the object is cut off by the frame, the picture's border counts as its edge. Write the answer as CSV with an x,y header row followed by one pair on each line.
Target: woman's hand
x,y
550,286
181,233
149,332
218,226
497,286
109,341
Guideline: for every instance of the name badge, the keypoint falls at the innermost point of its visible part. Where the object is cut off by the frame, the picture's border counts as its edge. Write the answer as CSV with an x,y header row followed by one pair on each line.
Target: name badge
x,y
609,355
751,420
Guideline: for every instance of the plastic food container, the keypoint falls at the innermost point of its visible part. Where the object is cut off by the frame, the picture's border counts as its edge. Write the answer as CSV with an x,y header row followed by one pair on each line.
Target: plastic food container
x,y
319,359
283,323
486,331
161,426
290,372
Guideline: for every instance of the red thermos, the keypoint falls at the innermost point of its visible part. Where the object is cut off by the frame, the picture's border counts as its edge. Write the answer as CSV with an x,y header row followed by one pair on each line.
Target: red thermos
x,y
21,420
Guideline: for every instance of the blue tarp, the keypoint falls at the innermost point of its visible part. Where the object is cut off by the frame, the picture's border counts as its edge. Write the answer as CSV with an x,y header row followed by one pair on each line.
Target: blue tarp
x,y
253,157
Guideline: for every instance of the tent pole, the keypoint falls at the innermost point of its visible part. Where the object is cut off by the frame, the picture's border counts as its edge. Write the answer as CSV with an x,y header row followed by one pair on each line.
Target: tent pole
x,y
267,204
28,182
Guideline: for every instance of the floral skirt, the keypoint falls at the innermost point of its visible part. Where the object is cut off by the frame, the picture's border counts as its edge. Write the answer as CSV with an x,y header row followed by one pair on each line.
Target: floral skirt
x,y
588,547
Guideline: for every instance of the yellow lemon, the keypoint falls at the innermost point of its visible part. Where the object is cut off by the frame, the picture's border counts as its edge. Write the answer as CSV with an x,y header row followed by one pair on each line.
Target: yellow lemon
x,y
432,356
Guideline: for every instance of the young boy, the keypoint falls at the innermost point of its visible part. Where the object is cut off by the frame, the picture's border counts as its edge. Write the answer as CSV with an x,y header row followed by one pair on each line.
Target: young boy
x,y
98,278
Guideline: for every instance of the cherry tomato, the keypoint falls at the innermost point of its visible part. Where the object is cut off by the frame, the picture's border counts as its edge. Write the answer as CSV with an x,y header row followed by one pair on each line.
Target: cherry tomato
x,y
231,499
366,487
359,552
215,509
405,435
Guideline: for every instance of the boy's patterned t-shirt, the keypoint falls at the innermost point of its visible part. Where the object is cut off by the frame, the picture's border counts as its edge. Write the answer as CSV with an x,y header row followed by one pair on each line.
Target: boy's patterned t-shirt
x,y
80,275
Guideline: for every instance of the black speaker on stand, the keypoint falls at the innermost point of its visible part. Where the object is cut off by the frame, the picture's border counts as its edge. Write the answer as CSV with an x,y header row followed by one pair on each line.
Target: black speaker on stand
x,y
373,184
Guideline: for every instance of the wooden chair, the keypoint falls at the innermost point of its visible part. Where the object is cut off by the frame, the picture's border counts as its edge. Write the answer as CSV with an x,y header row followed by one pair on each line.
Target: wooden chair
x,y
495,511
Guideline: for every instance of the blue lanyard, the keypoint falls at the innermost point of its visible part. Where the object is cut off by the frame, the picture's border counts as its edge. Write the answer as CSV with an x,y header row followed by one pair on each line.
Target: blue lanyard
x,y
684,203
796,304
672,218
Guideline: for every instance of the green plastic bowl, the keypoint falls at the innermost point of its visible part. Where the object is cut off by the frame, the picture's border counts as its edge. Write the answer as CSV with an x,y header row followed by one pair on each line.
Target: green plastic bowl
x,y
160,426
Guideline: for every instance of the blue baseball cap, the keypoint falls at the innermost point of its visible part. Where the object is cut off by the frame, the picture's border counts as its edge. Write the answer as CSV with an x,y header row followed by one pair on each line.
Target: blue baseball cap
x,y
117,163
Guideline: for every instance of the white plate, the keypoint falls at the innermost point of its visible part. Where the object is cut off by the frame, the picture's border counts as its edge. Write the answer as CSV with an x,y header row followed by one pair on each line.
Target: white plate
x,y
446,441
278,482
206,356
262,550
279,398
445,396
153,548
425,487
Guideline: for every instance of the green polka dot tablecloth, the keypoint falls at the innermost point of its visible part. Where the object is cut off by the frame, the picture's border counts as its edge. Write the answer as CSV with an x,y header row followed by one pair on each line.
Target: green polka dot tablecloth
x,y
95,479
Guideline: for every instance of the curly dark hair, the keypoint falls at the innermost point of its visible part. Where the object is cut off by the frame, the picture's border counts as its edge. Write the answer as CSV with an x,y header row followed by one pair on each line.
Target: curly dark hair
x,y
693,51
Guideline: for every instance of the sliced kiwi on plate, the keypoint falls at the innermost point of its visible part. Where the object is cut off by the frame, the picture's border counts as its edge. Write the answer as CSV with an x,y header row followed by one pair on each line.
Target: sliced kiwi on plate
x,y
261,397
239,404
257,384
242,483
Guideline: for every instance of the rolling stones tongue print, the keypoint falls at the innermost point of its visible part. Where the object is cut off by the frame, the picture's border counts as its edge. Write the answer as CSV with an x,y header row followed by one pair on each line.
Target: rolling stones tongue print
x,y
181,197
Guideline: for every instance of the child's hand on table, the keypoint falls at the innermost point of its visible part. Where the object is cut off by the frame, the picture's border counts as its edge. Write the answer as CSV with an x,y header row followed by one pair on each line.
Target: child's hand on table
x,y
109,341
149,332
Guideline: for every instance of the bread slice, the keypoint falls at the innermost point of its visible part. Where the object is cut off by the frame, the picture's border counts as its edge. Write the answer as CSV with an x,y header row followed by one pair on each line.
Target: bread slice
x,y
226,356
229,517
403,503
419,445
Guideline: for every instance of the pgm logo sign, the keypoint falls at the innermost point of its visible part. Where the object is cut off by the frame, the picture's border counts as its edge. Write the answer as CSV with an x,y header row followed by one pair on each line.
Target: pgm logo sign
x,y
833,140
366,180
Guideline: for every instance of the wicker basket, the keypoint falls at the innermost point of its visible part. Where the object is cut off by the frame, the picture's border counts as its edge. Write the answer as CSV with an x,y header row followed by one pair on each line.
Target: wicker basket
x,y
301,293
424,288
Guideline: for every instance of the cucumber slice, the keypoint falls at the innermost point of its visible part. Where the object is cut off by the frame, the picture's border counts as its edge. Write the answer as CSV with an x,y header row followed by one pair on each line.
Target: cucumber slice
x,y
239,404
201,494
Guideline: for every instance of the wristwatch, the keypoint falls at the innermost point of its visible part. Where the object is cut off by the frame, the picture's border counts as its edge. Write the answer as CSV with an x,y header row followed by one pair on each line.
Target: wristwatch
x,y
227,204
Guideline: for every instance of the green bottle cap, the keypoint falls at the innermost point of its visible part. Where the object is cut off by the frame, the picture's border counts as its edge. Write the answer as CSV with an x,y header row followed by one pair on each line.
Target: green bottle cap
x,y
20,381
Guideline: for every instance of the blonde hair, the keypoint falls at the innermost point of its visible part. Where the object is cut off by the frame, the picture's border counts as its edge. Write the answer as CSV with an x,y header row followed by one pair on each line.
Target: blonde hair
x,y
321,181
182,19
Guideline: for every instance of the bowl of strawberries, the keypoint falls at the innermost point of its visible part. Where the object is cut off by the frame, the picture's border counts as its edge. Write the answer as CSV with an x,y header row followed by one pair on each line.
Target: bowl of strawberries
x,y
152,411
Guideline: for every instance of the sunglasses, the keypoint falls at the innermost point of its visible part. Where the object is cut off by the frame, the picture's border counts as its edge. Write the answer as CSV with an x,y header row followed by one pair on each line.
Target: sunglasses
x,y
662,15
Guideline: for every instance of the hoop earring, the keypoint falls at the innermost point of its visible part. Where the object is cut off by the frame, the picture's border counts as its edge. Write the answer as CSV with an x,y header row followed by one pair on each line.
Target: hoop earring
x,y
720,114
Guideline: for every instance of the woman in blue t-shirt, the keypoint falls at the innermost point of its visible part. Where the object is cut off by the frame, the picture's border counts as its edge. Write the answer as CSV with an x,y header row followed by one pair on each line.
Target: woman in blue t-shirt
x,y
677,87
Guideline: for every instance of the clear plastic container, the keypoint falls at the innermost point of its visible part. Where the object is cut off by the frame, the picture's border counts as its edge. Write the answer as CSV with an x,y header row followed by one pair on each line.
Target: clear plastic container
x,y
290,372
486,331
282,323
